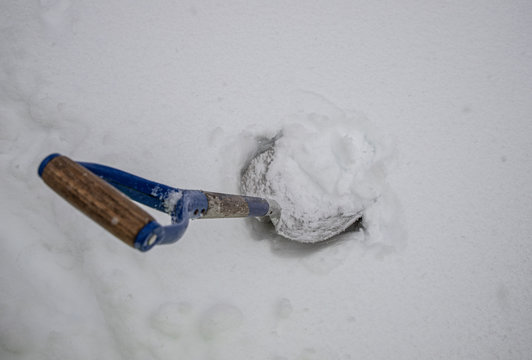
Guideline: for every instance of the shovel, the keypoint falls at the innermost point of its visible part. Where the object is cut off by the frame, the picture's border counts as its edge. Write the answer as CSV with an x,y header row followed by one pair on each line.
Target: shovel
x,y
103,193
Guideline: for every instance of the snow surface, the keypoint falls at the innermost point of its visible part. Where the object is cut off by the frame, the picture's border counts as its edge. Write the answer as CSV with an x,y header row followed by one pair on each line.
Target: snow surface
x,y
177,91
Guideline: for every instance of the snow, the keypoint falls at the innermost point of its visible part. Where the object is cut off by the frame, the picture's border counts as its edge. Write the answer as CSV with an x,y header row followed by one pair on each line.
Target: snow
x,y
171,200
177,92
323,169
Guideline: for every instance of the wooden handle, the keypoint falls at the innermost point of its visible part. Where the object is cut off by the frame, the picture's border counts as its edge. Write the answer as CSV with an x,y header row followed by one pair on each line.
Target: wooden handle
x,y
95,198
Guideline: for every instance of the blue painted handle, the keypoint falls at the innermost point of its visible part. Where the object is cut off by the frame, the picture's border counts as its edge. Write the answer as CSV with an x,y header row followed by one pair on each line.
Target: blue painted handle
x,y
182,205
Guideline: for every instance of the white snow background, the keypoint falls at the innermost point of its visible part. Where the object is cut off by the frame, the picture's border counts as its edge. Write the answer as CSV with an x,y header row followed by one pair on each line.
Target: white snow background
x,y
174,91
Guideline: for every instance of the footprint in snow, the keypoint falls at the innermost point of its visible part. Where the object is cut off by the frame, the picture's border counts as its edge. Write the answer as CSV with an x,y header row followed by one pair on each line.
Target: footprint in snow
x,y
218,319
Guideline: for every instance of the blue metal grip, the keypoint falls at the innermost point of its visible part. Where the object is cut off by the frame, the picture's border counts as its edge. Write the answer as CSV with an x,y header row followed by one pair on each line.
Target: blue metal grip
x,y
181,205
148,236
146,192
185,208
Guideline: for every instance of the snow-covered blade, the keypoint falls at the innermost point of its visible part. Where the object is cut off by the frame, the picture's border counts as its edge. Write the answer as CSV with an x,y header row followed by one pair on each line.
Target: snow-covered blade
x,y
323,170
304,226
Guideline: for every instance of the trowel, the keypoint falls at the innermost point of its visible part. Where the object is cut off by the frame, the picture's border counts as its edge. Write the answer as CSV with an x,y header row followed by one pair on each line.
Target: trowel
x,y
104,194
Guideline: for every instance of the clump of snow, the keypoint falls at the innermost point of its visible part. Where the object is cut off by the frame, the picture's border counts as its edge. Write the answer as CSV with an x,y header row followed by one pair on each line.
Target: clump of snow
x,y
171,200
323,169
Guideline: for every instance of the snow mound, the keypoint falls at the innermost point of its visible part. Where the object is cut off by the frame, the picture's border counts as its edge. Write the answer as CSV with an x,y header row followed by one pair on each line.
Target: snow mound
x,y
323,170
